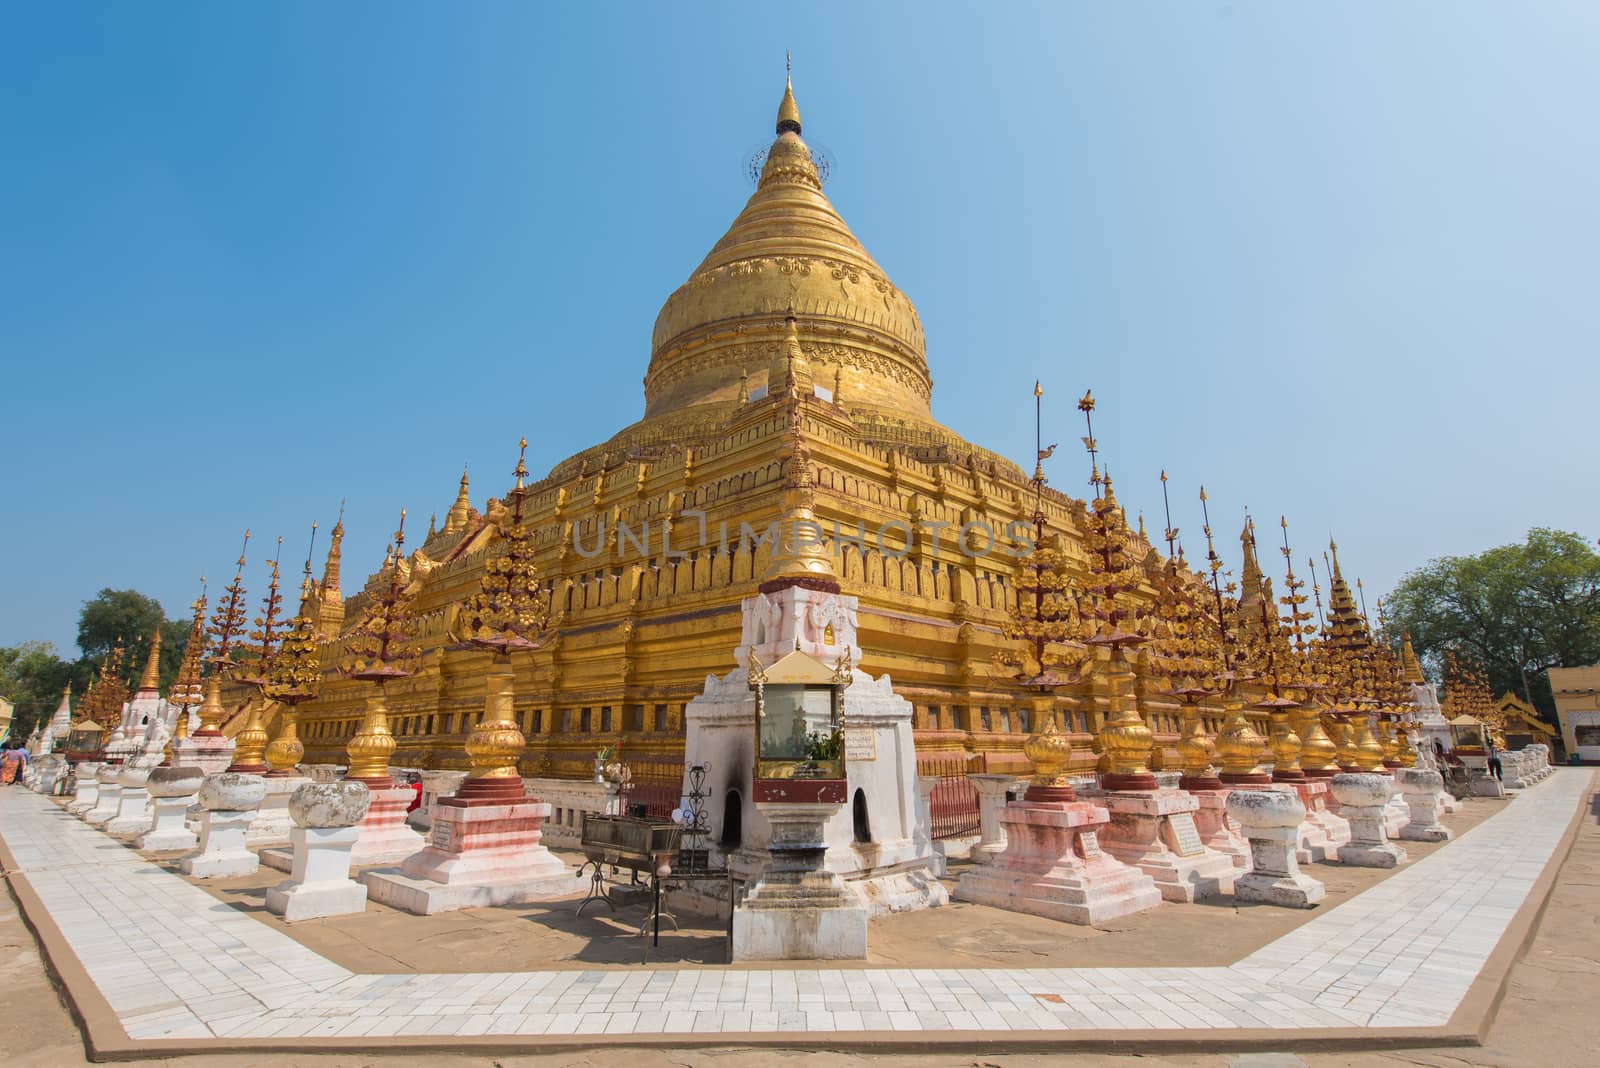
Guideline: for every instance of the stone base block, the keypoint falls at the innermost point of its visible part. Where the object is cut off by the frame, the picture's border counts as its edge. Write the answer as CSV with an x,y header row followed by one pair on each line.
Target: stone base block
x,y
1053,866
800,934
307,901
219,864
222,854
424,897
1364,855
1416,832
1293,891
129,828
385,837
278,858
106,808
481,854
901,892
166,841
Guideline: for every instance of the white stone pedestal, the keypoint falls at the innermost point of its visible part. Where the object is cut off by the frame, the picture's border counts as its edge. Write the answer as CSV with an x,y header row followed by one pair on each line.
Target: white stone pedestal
x,y
1053,866
324,818
1362,797
319,883
385,837
109,799
797,909
484,852
1422,792
47,770
171,790
1155,831
271,824
1270,820
86,788
210,753
1217,831
992,800
227,800
133,816
1335,828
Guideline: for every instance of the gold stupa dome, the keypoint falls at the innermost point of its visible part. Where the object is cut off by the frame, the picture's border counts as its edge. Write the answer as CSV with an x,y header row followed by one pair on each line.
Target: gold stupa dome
x,y
789,254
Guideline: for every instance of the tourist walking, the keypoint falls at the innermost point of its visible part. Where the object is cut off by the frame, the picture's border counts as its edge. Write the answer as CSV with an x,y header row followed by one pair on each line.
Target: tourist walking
x,y
12,763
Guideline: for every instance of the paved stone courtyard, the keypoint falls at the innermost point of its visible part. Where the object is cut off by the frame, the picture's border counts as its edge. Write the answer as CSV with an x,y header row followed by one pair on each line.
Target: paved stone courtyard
x,y
177,968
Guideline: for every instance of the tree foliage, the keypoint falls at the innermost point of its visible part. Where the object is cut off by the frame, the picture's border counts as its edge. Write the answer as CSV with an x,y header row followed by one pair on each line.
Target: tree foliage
x,y
32,676
130,617
1516,609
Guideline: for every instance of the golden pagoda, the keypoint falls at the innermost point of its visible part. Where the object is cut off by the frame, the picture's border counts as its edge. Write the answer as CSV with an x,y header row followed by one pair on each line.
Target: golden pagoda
x,y
646,543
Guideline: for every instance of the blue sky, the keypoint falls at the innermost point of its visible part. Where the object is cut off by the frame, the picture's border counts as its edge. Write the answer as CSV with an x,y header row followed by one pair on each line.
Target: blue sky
x,y
1334,261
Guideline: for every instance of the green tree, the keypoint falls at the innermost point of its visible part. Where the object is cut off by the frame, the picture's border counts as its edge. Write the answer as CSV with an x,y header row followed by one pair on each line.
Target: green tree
x,y
32,676
1517,609
130,617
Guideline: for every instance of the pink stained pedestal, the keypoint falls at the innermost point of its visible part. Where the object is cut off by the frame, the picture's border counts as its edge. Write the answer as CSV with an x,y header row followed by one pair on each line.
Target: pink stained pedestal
x,y
1335,828
1053,866
384,836
1155,831
482,853
1217,831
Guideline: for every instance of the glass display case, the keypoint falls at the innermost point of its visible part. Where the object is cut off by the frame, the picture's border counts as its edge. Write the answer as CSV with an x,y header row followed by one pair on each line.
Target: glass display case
x,y
799,717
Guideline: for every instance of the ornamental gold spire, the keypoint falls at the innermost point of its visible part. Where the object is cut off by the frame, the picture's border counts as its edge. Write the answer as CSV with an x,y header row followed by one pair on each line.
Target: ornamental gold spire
x,y
1044,618
294,676
227,622
150,681
510,612
381,647
1238,744
186,692
1115,620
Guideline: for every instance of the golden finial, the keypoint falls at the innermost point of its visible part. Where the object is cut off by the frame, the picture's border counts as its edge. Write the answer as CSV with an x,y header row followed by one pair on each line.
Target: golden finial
x,y
1166,505
744,387
1086,406
522,465
788,110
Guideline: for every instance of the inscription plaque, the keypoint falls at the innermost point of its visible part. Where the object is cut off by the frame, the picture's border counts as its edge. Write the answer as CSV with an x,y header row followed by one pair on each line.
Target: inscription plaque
x,y
1186,839
860,745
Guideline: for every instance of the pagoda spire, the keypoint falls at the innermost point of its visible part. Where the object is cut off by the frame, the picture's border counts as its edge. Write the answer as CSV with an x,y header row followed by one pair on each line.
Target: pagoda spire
x,y
1411,668
330,600
460,511
150,682
1252,583
788,110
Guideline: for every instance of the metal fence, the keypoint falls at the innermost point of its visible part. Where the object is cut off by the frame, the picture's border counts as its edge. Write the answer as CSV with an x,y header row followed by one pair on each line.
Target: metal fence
x,y
953,803
658,788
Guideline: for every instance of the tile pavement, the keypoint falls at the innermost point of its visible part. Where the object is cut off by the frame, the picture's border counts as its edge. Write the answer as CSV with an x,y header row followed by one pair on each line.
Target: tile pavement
x,y
173,962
